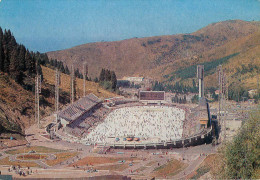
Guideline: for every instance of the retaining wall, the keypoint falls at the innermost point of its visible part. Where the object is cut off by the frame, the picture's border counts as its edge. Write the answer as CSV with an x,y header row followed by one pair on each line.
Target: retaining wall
x,y
202,138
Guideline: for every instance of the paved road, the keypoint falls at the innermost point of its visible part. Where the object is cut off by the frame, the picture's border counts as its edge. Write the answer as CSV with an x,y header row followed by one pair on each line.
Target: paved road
x,y
192,167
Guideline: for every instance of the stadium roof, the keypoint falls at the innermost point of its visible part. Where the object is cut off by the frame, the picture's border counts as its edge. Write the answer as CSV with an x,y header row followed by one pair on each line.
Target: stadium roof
x,y
78,108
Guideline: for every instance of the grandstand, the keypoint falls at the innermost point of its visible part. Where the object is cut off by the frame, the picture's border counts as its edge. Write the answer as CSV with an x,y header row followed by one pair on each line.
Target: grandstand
x,y
76,110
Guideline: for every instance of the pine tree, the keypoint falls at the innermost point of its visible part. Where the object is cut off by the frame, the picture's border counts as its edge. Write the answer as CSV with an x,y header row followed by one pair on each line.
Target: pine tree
x,y
27,59
30,62
55,63
12,43
1,34
13,67
38,68
1,57
45,58
77,74
113,80
52,62
67,71
62,69
15,59
107,75
102,75
1,51
59,65
5,52
184,99
22,51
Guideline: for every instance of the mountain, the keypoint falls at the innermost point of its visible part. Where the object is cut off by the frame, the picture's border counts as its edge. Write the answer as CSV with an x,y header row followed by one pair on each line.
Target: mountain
x,y
161,57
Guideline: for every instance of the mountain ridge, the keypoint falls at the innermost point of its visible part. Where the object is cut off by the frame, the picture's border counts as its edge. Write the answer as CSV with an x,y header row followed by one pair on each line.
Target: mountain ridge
x,y
146,56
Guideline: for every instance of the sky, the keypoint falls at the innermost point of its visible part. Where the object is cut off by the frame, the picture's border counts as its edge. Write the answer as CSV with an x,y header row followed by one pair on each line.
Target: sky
x,y
50,25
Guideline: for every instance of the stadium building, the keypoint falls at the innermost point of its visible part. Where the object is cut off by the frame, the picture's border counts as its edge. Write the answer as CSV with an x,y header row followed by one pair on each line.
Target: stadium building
x,y
148,123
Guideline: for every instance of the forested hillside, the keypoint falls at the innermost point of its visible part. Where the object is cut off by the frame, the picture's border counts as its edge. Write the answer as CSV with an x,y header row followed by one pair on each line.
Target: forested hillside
x,y
18,67
16,60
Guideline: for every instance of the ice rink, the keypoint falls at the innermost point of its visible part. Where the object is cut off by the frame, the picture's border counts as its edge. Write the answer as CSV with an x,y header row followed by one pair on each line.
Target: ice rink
x,y
149,123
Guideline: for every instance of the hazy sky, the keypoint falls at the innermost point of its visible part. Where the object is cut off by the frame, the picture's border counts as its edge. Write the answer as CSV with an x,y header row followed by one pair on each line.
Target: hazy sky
x,y
48,25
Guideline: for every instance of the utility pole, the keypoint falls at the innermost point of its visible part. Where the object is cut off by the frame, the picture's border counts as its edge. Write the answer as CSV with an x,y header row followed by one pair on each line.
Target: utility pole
x,y
200,76
85,73
224,104
72,79
37,98
57,83
219,76
223,99
257,77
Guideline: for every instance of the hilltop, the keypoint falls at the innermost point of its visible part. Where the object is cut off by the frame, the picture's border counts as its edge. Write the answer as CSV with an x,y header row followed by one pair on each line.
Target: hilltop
x,y
231,43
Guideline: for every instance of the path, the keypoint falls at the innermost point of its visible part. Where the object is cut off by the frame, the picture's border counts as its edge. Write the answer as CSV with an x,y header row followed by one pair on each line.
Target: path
x,y
192,167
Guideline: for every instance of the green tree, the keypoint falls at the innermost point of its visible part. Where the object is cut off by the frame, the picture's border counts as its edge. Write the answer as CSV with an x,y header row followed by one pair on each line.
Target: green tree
x,y
13,67
195,99
6,54
1,51
1,57
113,80
184,99
28,62
62,69
102,75
22,51
67,71
241,155
107,75
96,79
1,34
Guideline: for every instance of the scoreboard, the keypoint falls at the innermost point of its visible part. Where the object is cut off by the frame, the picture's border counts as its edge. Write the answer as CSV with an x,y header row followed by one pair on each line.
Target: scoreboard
x,y
152,95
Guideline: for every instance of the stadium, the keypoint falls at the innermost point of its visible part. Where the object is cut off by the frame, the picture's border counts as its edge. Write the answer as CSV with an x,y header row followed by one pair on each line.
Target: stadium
x,y
148,123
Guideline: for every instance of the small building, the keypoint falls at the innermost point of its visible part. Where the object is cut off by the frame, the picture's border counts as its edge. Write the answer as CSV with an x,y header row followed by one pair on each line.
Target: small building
x,y
78,109
134,79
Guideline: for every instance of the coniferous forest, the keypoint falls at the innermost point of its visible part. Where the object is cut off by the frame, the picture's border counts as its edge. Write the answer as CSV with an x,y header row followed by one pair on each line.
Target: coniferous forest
x,y
107,79
21,64
17,61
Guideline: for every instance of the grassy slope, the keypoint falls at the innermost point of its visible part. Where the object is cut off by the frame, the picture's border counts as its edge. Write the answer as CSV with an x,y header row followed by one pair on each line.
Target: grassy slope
x,y
248,48
91,87
17,105
249,52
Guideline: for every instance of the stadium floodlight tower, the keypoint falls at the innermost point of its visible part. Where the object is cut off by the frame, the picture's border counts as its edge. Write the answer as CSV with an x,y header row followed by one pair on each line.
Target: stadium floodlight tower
x,y
200,76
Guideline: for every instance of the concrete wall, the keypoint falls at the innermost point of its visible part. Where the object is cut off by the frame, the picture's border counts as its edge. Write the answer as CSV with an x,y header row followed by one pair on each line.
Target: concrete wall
x,y
203,138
